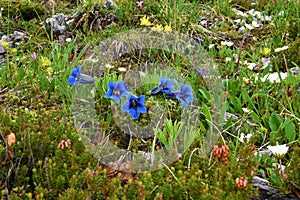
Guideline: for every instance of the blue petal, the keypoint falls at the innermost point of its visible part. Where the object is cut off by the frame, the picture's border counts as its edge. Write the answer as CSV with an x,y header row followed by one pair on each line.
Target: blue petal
x,y
125,107
109,93
185,95
75,72
141,99
155,90
71,80
141,109
111,85
134,113
117,99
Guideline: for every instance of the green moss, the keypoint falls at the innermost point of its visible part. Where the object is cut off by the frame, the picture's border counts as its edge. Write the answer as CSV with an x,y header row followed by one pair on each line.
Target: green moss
x,y
26,9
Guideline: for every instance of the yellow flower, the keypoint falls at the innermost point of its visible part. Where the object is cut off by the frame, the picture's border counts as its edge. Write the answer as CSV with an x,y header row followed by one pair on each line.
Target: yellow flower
x,y
49,71
4,44
14,50
158,28
145,21
45,61
265,51
168,29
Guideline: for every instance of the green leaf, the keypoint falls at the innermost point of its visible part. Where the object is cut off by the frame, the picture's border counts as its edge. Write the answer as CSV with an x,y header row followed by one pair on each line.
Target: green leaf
x,y
289,130
255,117
275,122
228,123
21,74
205,93
206,112
236,103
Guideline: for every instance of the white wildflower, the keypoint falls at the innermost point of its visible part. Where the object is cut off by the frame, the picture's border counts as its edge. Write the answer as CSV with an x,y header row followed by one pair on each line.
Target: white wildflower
x,y
211,46
248,26
243,137
281,48
281,13
246,110
109,66
279,150
229,44
255,24
122,69
68,39
227,59
251,66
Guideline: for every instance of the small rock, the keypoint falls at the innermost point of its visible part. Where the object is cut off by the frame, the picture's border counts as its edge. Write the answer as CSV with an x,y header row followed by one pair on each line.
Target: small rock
x,y
19,36
295,70
57,24
264,189
264,152
2,50
109,3
4,38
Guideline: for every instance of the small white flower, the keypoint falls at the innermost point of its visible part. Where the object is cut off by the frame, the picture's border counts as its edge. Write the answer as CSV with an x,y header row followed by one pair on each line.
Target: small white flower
x,y
255,13
229,44
248,26
246,110
251,66
281,167
227,59
243,136
242,29
281,48
68,39
278,150
109,66
122,69
241,13
255,24
237,21
211,46
267,18
281,13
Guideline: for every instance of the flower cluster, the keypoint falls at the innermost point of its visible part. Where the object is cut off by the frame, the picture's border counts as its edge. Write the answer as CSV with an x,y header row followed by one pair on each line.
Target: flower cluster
x,y
64,143
135,105
157,28
221,152
241,183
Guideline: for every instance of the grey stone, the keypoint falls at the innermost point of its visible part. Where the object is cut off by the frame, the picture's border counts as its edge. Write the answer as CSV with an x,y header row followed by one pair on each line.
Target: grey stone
x,y
2,50
109,4
19,36
295,70
56,24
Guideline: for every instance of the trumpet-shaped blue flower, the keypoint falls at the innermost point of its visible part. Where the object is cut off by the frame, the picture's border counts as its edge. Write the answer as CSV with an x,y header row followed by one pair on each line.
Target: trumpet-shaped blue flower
x,y
116,91
164,87
135,105
76,77
185,95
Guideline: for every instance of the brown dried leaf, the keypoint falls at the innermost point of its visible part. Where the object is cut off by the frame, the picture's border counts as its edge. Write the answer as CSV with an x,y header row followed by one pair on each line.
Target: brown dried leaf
x,y
11,139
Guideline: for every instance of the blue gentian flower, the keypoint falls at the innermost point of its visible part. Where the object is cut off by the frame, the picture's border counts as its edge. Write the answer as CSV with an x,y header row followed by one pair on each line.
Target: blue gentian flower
x,y
76,77
116,91
165,87
135,105
185,95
